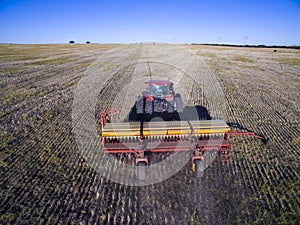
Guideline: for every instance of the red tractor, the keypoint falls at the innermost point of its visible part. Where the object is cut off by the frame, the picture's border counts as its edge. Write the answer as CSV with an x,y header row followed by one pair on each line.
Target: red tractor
x,y
202,139
159,98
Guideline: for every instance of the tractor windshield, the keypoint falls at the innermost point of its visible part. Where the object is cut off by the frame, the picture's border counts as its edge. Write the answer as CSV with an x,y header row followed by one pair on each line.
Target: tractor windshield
x,y
161,90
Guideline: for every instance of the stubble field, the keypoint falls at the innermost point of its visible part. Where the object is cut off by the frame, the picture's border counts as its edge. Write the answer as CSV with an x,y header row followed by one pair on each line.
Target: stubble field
x,y
45,179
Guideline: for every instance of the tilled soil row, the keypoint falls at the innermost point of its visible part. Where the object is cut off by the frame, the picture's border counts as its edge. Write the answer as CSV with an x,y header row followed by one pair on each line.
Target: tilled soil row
x,y
155,202
262,99
46,180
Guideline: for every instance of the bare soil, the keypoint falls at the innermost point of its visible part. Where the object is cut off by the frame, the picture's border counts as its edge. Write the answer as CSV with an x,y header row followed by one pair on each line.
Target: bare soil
x,y
45,179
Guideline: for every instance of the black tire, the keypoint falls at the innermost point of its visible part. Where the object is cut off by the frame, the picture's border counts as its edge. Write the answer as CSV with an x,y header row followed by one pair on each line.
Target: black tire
x,y
176,116
199,168
170,107
149,107
141,170
139,105
179,103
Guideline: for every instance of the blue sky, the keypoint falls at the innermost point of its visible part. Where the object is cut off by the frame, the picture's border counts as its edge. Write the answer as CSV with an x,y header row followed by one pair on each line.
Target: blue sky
x,y
267,22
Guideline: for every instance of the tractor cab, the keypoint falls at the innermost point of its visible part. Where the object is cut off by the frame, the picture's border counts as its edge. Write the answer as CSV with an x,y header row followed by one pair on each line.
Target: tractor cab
x,y
161,89
159,98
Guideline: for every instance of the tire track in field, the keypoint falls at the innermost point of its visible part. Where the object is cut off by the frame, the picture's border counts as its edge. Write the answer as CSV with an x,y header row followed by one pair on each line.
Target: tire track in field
x,y
182,198
161,67
111,73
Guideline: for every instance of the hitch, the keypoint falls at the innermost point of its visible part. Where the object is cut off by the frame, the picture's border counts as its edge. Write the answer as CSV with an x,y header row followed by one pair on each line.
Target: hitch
x,y
105,116
234,132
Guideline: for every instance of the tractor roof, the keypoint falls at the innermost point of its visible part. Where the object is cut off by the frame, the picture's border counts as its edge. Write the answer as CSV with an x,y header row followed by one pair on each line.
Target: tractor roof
x,y
160,82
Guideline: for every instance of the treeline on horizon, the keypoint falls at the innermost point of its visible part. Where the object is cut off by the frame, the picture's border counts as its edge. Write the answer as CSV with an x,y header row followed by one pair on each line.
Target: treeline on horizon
x,y
252,46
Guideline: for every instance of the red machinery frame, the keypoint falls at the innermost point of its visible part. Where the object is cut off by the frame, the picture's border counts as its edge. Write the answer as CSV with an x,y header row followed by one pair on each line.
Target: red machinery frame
x,y
198,147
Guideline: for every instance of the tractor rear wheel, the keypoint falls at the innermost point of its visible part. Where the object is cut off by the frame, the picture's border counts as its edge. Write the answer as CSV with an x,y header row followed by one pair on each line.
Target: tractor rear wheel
x,y
149,107
179,103
141,170
139,105
170,107
199,167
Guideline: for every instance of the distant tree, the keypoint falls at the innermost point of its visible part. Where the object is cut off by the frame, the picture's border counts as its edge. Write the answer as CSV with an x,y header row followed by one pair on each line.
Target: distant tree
x,y
72,42
88,42
274,50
